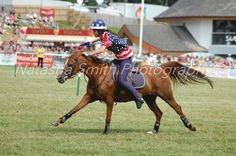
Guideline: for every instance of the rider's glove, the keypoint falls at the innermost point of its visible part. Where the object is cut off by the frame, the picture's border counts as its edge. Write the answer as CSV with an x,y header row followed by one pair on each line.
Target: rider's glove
x,y
85,54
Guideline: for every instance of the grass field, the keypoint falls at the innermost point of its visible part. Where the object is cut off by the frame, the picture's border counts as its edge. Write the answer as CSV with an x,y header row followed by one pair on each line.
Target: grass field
x,y
31,101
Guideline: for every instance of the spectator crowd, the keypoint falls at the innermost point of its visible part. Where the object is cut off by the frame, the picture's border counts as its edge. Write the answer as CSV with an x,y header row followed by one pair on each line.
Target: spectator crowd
x,y
16,25
210,61
12,24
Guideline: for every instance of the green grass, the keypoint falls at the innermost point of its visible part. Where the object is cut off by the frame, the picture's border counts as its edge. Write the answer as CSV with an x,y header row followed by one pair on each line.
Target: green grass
x,y
29,102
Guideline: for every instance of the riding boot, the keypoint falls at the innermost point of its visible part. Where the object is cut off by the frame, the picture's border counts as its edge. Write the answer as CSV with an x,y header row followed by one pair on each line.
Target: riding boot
x,y
139,101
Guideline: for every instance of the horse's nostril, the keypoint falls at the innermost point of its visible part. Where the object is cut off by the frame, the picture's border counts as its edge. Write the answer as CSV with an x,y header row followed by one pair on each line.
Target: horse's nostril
x,y
60,79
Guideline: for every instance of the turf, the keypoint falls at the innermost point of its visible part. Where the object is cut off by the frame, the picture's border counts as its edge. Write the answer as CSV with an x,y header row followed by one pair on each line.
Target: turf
x,y
32,100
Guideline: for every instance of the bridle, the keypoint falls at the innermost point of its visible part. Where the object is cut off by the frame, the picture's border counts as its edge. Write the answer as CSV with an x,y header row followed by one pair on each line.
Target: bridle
x,y
67,72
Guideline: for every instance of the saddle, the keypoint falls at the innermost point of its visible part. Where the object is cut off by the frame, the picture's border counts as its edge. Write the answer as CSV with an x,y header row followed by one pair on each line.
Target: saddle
x,y
135,77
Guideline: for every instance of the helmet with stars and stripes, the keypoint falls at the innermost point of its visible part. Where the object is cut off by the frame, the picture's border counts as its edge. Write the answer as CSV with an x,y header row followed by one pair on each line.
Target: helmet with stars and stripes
x,y
98,24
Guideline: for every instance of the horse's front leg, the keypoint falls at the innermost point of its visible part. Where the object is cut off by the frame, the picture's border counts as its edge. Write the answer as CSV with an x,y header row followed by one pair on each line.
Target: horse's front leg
x,y
109,105
87,98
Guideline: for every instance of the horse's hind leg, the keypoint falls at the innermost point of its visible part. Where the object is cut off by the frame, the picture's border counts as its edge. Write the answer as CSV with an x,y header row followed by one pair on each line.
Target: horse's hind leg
x,y
151,102
167,96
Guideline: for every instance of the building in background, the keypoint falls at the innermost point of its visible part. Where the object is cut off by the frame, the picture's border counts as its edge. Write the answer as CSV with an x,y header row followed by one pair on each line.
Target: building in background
x,y
161,39
212,23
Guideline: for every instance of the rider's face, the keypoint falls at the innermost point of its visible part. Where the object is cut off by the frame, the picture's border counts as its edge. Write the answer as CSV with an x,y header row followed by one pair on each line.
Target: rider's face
x,y
95,32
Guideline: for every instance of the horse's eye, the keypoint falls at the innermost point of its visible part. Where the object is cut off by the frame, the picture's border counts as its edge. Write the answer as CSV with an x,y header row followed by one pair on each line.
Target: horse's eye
x,y
72,61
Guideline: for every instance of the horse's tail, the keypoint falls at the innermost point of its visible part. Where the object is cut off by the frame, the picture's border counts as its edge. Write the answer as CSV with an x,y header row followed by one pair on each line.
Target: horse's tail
x,y
181,74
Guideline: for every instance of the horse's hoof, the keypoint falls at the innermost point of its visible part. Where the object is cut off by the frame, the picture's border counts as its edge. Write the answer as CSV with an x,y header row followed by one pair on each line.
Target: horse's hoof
x,y
192,128
106,132
152,132
54,123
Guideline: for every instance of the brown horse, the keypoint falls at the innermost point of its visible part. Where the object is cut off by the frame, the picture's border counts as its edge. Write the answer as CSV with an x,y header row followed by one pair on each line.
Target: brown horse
x,y
102,87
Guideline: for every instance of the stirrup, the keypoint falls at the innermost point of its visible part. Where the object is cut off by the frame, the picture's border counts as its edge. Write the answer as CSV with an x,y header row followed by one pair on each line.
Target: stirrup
x,y
139,103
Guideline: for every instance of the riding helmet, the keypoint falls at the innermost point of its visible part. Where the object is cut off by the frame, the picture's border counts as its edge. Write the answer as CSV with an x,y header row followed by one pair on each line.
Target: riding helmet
x,y
98,24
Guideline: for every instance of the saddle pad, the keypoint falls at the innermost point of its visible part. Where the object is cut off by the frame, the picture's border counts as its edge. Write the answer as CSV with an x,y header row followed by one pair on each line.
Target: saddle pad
x,y
136,79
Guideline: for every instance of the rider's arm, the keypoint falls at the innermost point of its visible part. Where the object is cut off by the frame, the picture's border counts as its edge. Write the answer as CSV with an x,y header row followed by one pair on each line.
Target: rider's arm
x,y
100,50
95,40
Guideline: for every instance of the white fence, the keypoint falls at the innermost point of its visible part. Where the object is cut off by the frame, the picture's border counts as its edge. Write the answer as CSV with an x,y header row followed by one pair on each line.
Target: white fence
x,y
7,59
57,61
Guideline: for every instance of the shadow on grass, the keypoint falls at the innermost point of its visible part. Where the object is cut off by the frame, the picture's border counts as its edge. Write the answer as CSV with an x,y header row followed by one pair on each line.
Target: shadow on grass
x,y
90,130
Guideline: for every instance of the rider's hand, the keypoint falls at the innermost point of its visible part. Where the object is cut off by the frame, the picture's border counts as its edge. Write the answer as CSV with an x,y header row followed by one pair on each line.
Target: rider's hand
x,y
85,54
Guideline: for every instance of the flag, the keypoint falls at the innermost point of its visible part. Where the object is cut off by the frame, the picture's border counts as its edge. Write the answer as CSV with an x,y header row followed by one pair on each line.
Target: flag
x,y
46,12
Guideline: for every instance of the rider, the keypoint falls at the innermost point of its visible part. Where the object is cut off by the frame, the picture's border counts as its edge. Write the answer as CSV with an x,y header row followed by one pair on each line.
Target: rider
x,y
123,54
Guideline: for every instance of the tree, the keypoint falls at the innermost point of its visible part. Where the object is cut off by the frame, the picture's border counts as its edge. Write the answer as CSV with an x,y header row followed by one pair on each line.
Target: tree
x,y
90,2
171,2
86,2
157,2
72,1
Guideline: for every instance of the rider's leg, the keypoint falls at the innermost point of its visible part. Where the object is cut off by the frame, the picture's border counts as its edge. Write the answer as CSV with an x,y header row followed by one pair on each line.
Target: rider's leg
x,y
124,69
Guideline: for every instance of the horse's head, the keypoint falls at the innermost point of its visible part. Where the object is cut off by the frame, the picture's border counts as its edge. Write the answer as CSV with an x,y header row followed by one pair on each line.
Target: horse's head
x,y
71,67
